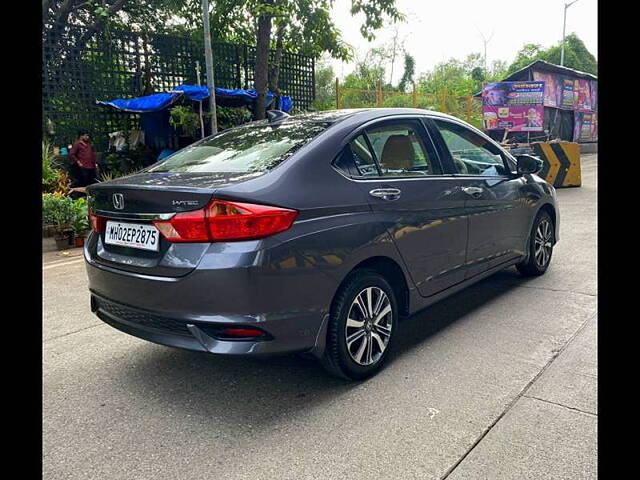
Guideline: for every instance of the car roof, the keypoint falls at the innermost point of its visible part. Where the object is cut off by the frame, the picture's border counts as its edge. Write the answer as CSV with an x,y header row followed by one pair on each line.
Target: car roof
x,y
349,117
333,116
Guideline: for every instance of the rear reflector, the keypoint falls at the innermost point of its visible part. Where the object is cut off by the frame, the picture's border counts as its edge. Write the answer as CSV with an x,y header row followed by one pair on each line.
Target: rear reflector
x,y
221,220
243,332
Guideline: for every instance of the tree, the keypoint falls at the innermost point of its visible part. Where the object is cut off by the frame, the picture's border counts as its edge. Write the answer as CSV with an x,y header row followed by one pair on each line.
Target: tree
x,y
451,77
394,47
409,72
527,54
309,24
460,77
375,11
264,10
325,86
230,20
56,14
497,72
93,17
473,60
305,27
576,56
369,70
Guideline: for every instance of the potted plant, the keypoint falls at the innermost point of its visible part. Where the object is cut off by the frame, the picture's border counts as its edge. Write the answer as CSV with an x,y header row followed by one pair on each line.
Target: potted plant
x,y
60,210
186,120
80,221
48,227
54,178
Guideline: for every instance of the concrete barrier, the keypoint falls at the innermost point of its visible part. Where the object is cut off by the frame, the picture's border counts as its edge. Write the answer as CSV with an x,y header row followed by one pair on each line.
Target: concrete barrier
x,y
561,163
589,147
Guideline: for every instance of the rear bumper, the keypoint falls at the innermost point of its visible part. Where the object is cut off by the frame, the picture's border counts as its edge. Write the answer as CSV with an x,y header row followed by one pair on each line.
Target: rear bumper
x,y
224,290
286,335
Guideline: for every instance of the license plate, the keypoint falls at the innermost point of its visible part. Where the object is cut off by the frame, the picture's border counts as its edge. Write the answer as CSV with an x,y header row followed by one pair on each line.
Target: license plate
x,y
135,235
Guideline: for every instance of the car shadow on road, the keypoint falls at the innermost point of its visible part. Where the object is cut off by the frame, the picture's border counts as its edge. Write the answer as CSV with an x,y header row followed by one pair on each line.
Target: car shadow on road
x,y
418,328
260,392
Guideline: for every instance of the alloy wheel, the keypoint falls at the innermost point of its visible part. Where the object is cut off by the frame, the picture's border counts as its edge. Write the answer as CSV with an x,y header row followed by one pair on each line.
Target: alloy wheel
x,y
542,243
368,327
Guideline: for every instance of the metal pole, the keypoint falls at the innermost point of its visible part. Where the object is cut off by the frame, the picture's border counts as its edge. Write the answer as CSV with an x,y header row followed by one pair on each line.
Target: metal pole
x,y
564,26
208,55
200,102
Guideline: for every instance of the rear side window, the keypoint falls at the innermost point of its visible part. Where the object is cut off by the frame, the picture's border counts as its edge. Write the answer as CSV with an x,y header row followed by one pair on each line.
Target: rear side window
x,y
401,150
249,149
356,159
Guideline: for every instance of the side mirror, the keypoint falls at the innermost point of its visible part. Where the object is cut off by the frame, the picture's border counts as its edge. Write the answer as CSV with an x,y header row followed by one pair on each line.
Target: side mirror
x,y
528,164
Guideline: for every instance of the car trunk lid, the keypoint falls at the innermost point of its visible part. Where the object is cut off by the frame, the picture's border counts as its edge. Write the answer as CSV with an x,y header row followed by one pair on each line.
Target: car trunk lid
x,y
158,193
142,198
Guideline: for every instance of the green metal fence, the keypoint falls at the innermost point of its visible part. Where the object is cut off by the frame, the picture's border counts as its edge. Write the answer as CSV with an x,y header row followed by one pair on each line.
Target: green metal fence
x,y
122,64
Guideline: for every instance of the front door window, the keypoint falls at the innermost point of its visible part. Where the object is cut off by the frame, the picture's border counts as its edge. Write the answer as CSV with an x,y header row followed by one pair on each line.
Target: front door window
x,y
471,153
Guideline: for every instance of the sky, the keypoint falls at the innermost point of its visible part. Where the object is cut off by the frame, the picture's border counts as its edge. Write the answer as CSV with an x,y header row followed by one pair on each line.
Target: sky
x,y
437,31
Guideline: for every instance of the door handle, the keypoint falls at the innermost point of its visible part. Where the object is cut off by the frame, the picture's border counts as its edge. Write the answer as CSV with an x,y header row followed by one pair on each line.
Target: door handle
x,y
475,192
386,193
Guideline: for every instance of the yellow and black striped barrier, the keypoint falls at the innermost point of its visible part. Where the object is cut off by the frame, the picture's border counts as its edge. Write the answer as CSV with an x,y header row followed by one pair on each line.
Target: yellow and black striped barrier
x,y
561,163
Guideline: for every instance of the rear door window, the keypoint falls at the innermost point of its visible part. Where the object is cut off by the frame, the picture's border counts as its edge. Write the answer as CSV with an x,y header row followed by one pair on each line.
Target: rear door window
x,y
401,150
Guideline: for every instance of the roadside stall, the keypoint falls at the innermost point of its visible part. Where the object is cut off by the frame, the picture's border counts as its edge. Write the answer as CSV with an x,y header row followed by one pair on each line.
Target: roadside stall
x,y
548,110
566,100
155,116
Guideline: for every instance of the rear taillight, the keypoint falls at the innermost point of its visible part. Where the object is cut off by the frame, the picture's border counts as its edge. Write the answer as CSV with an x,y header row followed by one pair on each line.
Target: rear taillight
x,y
185,227
98,223
221,220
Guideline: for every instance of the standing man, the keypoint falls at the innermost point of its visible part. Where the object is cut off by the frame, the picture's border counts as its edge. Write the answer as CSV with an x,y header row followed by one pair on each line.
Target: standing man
x,y
82,155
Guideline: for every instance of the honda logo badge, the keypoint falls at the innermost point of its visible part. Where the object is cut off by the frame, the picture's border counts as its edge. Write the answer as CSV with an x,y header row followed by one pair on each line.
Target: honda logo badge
x,y
118,201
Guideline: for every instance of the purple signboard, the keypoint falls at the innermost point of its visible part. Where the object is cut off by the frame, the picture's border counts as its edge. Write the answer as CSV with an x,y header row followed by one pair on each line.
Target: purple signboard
x,y
568,98
585,126
552,91
513,106
594,94
582,94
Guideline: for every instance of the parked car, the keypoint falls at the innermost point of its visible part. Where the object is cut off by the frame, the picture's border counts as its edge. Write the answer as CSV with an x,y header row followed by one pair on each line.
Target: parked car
x,y
314,233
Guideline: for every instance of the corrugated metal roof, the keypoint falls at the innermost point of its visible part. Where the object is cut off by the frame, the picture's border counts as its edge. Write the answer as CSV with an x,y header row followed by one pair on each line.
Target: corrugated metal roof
x,y
546,67
551,67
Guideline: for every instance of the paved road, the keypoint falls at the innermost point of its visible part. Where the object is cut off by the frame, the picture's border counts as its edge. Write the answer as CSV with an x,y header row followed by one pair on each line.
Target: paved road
x,y
496,382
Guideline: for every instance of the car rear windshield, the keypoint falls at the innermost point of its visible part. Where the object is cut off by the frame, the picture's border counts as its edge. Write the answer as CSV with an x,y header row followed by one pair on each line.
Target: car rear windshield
x,y
249,149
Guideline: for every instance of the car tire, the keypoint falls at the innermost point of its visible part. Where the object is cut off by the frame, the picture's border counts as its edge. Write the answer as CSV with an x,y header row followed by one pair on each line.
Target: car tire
x,y
359,349
540,248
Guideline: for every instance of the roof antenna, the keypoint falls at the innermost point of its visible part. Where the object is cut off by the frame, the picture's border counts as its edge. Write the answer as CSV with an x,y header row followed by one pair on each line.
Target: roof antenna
x,y
277,116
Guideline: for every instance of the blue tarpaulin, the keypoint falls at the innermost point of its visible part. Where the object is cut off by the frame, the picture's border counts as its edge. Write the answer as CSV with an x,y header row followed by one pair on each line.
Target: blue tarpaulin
x,y
224,97
150,103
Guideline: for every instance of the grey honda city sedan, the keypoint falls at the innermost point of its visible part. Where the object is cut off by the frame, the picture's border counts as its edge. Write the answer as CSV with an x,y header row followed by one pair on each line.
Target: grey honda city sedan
x,y
313,234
